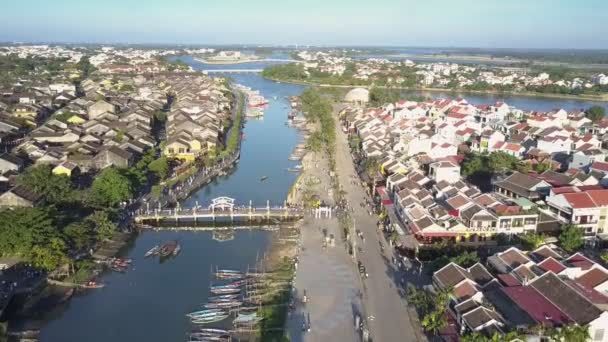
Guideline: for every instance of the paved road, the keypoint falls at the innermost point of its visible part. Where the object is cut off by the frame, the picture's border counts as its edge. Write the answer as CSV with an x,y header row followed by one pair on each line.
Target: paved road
x,y
331,285
383,299
327,274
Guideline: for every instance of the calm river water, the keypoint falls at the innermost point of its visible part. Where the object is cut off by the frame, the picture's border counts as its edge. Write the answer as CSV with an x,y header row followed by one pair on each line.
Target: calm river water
x,y
148,303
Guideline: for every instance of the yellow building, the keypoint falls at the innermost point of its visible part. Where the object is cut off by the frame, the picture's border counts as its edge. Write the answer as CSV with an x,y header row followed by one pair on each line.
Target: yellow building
x,y
76,120
66,168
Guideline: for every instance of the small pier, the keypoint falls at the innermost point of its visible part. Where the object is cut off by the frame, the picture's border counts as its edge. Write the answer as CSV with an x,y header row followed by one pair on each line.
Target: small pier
x,y
221,209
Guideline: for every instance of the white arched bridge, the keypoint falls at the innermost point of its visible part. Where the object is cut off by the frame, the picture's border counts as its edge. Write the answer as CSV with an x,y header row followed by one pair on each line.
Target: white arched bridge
x,y
219,208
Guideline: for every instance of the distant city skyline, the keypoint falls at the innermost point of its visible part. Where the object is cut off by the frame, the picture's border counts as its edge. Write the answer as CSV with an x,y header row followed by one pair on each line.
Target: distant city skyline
x,y
432,23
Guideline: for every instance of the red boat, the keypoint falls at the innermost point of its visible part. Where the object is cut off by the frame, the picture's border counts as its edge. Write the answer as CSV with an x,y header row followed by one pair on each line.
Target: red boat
x,y
259,104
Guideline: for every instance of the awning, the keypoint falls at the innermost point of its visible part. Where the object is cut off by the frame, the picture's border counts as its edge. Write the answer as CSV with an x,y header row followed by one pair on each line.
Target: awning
x,y
381,191
438,234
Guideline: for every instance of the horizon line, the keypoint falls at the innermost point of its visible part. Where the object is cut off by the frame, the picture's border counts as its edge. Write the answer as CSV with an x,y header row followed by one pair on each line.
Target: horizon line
x,y
291,45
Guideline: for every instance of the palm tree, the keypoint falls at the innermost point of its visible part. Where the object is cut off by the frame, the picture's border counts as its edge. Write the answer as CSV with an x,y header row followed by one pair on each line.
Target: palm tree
x,y
434,322
372,167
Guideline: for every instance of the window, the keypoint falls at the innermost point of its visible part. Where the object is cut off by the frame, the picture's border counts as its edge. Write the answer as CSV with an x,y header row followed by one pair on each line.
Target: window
x,y
181,150
518,222
599,335
530,221
171,151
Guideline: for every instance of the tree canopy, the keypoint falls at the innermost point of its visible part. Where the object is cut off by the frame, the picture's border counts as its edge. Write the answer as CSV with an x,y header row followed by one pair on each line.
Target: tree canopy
x,y
316,108
111,187
30,233
595,113
160,167
571,238
41,180
532,240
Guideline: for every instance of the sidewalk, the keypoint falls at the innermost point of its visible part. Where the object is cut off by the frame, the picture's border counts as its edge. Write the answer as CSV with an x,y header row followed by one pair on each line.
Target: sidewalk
x,y
331,284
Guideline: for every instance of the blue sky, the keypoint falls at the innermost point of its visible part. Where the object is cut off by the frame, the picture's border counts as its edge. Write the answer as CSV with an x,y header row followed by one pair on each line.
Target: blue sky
x,y
470,23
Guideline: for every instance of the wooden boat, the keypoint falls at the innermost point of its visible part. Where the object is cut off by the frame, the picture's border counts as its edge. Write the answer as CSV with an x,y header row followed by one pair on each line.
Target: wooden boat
x,y
169,248
93,285
208,315
239,283
223,297
226,291
216,331
210,319
204,312
199,336
219,287
223,338
153,251
229,271
230,304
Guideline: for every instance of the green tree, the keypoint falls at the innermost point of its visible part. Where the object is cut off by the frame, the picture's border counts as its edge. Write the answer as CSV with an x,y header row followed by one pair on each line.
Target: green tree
x,y
381,96
523,167
372,168
433,322
501,162
474,164
160,167
85,67
110,188
23,228
103,225
542,167
572,333
532,240
595,113
604,257
422,300
41,180
78,234
156,191
496,337
466,259
49,256
571,238
315,142
160,116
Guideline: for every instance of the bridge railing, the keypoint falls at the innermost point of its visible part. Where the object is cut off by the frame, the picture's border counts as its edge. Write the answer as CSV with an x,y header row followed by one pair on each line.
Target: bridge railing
x,y
206,211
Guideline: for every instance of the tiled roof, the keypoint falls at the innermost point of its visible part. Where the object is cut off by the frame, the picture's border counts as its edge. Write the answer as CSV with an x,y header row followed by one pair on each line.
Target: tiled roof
x,y
513,258
601,166
464,291
550,264
480,274
579,200
579,260
589,293
535,305
569,301
450,275
593,278
479,317
508,279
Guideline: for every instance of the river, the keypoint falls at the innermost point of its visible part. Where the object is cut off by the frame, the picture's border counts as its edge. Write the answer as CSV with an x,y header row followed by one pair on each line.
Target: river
x,y
149,301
